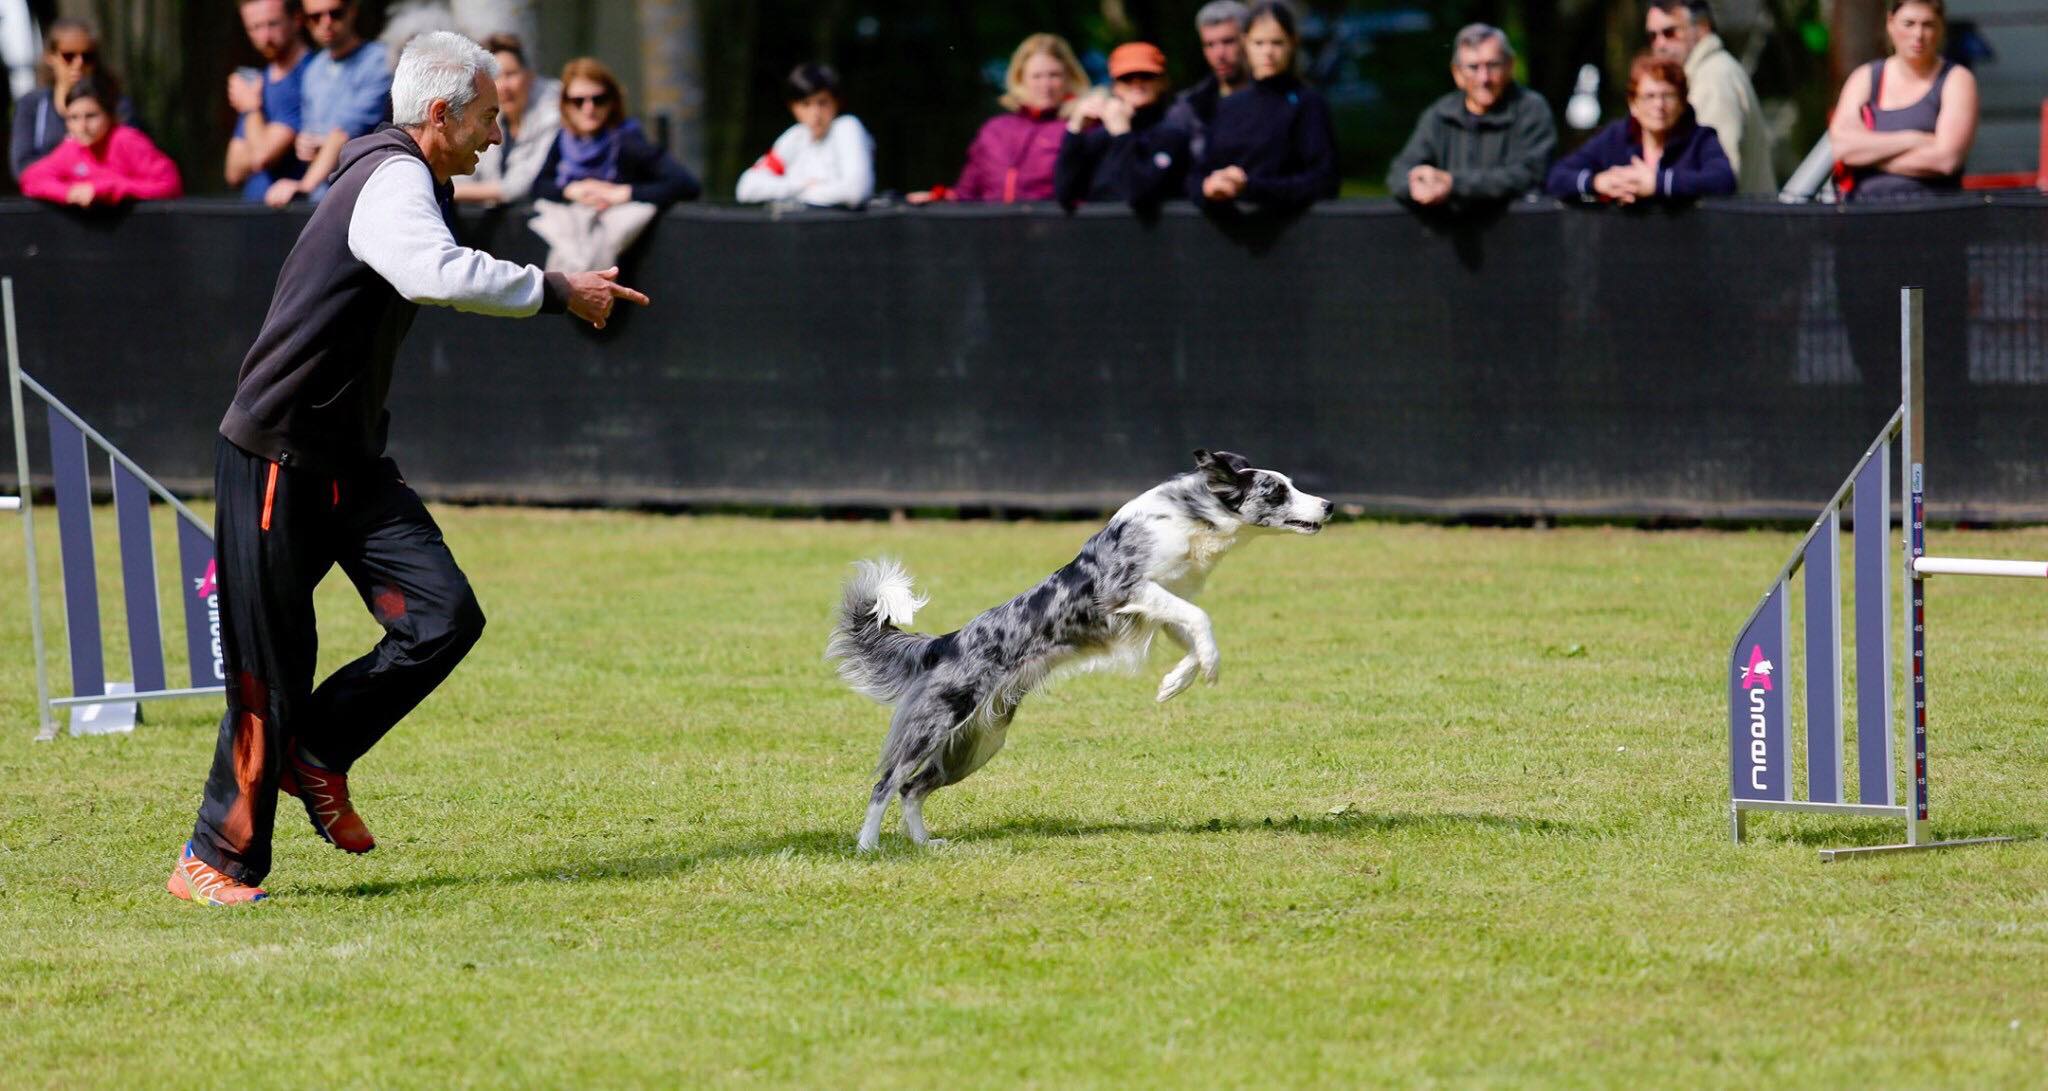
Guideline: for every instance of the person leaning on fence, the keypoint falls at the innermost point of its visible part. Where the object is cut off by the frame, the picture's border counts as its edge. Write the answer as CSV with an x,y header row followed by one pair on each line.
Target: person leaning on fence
x,y
1658,152
1273,144
603,182
1012,157
1720,94
1221,25
302,485
1118,147
103,162
345,93
1486,143
827,158
71,52
1904,125
270,108
531,115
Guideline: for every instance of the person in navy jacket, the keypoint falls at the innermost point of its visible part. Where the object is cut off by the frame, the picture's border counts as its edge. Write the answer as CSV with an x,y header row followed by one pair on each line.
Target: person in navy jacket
x,y
1272,143
1658,152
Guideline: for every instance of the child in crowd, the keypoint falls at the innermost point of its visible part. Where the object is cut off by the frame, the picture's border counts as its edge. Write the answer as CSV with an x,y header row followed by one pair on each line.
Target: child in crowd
x,y
102,161
826,158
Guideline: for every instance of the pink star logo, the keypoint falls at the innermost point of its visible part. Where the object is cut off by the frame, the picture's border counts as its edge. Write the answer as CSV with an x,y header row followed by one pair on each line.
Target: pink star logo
x,y
207,584
1758,673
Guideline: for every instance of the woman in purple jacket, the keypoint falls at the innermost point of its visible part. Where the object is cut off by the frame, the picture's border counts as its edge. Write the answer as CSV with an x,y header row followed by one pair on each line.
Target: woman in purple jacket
x,y
1012,157
1658,152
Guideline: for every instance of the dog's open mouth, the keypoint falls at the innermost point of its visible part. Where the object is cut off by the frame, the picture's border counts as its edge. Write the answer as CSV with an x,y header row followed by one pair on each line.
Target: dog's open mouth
x,y
1304,526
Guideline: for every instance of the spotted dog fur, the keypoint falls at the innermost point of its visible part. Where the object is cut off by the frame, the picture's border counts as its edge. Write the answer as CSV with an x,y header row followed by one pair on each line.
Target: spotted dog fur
x,y
956,694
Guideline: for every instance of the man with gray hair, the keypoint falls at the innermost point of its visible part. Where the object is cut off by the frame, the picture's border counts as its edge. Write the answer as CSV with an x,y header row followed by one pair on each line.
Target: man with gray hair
x,y
302,485
1484,144
1221,25
1717,88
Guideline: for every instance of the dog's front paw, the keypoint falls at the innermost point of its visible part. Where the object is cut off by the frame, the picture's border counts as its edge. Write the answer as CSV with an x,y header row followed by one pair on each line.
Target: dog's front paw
x,y
1210,664
1177,679
868,845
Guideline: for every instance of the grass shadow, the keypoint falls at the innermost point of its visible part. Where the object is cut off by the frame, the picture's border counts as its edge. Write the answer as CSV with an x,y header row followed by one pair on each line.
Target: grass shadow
x,y
837,843
1844,835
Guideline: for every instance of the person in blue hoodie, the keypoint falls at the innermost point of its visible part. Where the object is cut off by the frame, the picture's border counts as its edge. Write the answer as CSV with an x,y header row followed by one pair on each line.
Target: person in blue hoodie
x,y
1658,152
1271,144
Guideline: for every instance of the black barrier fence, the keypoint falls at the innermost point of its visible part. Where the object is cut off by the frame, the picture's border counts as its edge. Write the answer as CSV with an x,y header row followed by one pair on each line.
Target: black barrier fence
x,y
1725,361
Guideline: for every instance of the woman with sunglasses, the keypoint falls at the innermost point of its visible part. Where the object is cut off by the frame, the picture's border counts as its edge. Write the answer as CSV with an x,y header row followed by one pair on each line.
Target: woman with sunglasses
x,y
71,52
603,182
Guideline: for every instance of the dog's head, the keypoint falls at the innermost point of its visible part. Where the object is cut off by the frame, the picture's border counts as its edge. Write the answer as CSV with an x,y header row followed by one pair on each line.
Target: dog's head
x,y
1262,498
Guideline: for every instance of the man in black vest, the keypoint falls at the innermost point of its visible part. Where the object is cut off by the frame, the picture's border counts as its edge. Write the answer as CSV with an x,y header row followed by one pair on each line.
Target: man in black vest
x,y
302,484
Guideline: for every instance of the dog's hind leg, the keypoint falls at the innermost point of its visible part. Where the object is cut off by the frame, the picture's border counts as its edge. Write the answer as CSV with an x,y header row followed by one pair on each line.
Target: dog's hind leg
x,y
878,804
913,808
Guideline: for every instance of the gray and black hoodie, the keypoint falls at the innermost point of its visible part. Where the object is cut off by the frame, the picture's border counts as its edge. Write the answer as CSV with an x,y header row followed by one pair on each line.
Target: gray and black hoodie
x,y
311,391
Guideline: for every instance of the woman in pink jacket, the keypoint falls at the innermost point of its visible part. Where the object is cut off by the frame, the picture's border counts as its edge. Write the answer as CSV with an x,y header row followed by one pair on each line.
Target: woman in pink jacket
x,y
104,162
1012,157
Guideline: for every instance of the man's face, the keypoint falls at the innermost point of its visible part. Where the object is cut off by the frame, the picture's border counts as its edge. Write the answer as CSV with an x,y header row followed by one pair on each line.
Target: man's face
x,y
816,112
476,130
1223,48
1482,72
332,21
1672,33
271,29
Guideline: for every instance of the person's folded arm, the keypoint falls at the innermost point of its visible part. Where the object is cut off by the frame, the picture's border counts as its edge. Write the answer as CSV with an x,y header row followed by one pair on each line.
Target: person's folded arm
x,y
1955,129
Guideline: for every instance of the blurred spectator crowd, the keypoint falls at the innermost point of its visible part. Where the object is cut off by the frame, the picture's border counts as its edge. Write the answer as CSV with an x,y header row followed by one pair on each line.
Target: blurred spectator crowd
x,y
1251,134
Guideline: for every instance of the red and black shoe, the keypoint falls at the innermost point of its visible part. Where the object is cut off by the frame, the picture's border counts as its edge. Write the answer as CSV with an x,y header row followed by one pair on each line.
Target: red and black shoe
x,y
325,794
195,880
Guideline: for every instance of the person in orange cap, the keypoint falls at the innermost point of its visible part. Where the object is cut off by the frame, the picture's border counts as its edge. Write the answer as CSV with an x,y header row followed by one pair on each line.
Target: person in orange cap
x,y
1117,147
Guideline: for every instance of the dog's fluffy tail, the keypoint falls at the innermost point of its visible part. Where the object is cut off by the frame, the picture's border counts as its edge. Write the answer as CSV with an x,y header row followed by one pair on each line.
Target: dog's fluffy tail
x,y
876,657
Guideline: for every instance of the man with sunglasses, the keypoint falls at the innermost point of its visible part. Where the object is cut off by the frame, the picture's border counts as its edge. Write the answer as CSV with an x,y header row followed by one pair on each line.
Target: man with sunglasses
x,y
1484,144
301,483
345,93
1717,88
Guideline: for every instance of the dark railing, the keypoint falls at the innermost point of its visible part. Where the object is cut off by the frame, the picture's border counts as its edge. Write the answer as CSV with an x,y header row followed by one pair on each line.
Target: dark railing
x,y
1714,362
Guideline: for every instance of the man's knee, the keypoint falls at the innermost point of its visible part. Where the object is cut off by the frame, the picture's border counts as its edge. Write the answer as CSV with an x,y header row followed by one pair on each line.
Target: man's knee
x,y
449,631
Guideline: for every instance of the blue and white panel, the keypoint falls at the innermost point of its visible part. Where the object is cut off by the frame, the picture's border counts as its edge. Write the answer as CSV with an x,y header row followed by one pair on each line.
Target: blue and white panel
x,y
74,546
1824,662
138,581
1757,752
1873,515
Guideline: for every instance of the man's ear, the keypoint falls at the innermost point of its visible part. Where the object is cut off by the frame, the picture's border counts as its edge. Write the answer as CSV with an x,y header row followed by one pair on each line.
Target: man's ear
x,y
1228,474
437,112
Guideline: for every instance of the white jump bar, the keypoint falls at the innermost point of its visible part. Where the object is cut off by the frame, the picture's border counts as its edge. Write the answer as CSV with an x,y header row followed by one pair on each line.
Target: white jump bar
x,y
1964,566
10,503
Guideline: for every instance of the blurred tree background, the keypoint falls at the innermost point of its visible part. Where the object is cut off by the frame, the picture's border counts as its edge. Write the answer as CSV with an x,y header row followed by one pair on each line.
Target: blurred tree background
x,y
923,74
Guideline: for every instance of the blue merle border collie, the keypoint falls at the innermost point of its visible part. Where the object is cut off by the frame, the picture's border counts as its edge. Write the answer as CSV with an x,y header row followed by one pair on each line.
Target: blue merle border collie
x,y
956,694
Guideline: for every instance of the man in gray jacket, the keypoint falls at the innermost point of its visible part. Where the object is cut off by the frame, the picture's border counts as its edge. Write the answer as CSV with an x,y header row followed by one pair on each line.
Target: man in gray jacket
x,y
1717,89
1488,142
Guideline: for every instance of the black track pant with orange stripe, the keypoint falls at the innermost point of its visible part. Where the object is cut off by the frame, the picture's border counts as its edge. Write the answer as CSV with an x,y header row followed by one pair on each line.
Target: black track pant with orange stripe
x,y
277,530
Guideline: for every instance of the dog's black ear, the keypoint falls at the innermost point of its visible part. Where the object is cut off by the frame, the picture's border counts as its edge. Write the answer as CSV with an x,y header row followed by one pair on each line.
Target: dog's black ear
x,y
1228,474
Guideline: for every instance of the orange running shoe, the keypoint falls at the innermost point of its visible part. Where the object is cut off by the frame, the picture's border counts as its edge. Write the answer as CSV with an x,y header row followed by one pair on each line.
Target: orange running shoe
x,y
195,880
325,794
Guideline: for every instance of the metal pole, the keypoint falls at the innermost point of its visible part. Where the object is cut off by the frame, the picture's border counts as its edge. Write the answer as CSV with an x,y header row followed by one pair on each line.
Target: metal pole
x,y
1913,454
46,727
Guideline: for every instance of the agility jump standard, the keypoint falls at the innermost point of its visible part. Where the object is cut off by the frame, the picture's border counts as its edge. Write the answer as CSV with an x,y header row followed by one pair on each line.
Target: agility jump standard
x,y
1759,752
96,705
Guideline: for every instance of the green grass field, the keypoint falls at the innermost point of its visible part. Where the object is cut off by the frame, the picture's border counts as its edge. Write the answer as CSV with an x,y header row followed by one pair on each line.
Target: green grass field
x,y
1454,816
